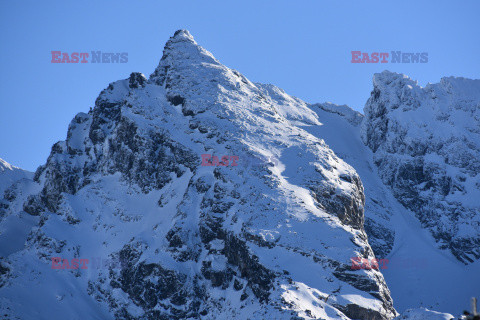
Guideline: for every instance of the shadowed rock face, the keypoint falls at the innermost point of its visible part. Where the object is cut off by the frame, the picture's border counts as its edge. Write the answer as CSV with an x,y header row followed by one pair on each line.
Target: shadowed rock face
x,y
245,241
426,144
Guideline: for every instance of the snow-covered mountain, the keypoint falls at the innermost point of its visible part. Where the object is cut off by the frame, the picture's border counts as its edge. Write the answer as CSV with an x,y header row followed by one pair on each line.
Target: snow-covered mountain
x,y
14,226
426,144
10,175
418,273
264,230
239,241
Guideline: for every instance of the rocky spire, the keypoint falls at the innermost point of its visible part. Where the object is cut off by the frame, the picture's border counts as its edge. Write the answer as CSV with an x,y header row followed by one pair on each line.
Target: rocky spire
x,y
181,53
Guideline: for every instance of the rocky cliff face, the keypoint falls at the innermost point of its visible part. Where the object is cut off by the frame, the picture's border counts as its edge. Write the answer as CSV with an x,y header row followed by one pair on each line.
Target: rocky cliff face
x,y
340,128
426,144
251,239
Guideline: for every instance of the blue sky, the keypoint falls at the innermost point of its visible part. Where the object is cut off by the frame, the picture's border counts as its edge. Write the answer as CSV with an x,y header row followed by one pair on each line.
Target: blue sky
x,y
303,47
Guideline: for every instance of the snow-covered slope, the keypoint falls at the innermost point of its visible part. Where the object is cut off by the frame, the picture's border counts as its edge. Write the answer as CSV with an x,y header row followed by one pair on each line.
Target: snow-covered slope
x,y
9,175
255,240
340,129
14,228
424,314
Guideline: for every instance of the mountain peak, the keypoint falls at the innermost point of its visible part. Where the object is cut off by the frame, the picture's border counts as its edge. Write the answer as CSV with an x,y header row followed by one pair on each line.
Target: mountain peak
x,y
183,34
180,53
4,166
388,78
